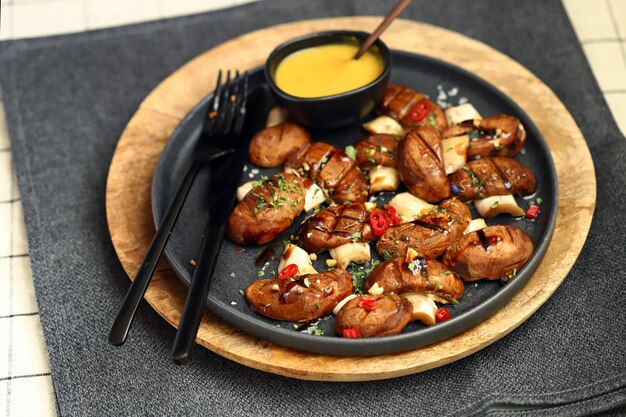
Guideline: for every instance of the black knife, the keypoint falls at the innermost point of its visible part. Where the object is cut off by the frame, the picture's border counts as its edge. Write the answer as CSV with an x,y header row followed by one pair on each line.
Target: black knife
x,y
225,176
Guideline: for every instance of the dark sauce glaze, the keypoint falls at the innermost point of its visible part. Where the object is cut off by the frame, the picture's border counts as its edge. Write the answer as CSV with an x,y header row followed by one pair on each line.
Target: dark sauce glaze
x,y
505,179
430,226
267,255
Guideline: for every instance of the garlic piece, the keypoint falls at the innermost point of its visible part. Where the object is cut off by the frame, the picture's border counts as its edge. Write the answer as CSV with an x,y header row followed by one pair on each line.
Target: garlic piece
x,y
409,207
359,253
384,124
296,255
370,205
276,116
454,153
424,308
383,179
313,197
461,113
376,289
498,204
244,189
475,224
342,303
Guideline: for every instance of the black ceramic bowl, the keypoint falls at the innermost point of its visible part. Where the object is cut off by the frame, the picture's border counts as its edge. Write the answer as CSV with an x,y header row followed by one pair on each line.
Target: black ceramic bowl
x,y
338,110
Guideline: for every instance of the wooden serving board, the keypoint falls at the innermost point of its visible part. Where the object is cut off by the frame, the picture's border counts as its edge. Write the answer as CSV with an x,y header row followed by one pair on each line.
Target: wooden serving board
x,y
130,218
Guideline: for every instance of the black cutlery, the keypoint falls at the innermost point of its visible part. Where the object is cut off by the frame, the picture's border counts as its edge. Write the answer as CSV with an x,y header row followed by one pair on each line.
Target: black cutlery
x,y
225,176
221,127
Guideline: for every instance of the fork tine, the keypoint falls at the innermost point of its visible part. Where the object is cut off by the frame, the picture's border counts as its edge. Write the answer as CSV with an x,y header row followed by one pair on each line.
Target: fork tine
x,y
223,97
233,99
240,110
218,91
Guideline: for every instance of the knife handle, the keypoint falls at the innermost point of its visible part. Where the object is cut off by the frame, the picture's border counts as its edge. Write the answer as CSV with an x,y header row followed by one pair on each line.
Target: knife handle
x,y
198,291
128,309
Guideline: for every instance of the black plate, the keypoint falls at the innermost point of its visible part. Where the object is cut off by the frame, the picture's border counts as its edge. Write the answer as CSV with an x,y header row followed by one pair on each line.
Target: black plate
x,y
236,266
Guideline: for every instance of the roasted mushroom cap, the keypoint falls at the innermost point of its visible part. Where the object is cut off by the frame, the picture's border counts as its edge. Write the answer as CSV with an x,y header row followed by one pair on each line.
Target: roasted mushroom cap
x,y
495,252
271,146
500,135
420,164
304,298
377,150
335,226
430,235
266,210
420,275
405,105
331,169
375,315
492,176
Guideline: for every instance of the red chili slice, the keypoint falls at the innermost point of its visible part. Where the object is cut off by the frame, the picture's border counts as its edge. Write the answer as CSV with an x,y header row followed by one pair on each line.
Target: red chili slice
x,y
392,216
367,304
420,111
378,221
351,333
532,212
289,271
442,314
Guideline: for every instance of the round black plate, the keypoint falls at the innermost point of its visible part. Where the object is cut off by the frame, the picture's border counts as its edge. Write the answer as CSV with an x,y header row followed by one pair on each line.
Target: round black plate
x,y
236,267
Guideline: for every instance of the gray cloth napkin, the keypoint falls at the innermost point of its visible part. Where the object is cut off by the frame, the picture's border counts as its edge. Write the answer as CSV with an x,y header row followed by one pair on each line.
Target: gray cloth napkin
x,y
67,100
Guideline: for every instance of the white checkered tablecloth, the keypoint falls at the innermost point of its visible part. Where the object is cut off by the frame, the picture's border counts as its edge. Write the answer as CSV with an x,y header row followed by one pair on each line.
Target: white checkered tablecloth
x,y
25,383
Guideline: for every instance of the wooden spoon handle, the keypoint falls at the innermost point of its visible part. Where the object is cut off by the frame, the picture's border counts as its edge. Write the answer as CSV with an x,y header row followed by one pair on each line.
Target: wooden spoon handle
x,y
402,4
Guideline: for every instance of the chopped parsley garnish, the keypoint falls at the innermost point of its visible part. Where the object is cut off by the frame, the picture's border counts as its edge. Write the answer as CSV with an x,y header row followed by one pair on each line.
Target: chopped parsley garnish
x,y
314,330
431,120
496,204
242,292
351,152
445,271
539,201
386,255
356,236
260,181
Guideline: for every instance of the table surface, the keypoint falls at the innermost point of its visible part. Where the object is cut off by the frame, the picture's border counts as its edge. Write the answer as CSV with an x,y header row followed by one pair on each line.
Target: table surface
x,y
25,382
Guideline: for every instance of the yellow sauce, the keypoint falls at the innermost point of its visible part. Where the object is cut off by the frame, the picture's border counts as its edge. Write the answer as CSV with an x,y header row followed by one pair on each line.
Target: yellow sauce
x,y
327,70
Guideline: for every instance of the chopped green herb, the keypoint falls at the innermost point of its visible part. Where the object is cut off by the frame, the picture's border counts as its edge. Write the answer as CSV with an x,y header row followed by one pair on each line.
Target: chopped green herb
x,y
445,271
351,152
242,292
496,204
317,190
431,120
346,202
386,255
261,273
355,237
314,330
539,201
260,181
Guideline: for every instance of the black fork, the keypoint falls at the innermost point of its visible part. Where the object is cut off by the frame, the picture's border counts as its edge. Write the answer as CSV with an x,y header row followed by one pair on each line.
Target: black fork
x,y
220,130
